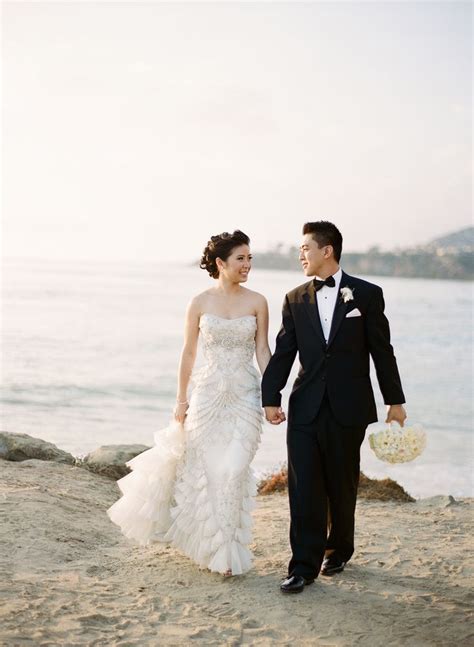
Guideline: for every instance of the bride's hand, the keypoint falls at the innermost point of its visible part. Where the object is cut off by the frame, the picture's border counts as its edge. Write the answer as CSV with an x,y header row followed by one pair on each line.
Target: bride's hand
x,y
180,411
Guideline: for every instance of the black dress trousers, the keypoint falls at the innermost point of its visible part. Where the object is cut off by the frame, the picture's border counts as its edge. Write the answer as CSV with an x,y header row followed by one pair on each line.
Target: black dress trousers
x,y
323,467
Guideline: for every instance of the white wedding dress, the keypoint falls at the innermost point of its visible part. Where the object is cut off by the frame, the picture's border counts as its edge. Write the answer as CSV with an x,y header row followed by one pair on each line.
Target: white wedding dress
x,y
194,487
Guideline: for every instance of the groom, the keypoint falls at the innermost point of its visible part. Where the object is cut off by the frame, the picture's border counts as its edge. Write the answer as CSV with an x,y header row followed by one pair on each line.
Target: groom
x,y
334,322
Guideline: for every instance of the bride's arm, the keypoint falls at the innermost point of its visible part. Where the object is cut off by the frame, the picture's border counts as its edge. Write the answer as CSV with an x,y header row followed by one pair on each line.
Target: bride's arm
x,y
187,359
262,349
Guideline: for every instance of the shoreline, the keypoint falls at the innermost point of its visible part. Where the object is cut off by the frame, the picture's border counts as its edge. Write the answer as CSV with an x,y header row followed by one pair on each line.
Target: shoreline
x,y
110,460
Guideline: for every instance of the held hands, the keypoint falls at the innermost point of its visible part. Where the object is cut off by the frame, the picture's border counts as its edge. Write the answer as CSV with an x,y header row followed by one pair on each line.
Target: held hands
x,y
396,413
180,411
275,415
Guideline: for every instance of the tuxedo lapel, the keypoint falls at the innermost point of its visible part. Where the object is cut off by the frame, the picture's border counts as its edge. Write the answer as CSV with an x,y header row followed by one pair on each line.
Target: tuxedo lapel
x,y
311,303
340,308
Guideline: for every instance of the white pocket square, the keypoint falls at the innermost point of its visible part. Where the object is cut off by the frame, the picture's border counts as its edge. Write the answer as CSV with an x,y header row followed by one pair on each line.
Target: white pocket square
x,y
354,313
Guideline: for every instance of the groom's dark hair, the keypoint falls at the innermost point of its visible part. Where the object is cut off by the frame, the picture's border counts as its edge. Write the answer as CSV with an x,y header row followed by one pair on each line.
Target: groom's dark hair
x,y
325,233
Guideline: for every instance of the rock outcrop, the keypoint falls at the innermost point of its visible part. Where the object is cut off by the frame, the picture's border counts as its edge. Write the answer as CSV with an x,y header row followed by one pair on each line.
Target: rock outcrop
x,y
109,460
22,447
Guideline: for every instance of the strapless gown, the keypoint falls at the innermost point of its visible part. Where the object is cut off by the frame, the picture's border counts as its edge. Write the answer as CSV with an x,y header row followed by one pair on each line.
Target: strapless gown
x,y
195,488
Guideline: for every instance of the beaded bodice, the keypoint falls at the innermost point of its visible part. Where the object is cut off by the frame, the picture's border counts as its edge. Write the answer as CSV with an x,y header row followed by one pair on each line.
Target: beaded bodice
x,y
228,343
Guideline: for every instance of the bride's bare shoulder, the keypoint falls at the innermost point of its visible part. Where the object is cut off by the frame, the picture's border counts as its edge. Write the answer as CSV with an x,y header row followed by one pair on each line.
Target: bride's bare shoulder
x,y
256,297
198,301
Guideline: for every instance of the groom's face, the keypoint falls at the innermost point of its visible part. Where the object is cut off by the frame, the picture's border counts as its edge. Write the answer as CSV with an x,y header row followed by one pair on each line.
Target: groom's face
x,y
312,257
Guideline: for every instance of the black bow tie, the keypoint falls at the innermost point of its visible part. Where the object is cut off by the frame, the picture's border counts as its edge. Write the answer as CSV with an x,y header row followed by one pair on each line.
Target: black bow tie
x,y
318,284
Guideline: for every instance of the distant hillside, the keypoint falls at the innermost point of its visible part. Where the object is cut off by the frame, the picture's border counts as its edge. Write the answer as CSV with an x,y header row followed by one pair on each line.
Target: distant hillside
x,y
462,239
446,257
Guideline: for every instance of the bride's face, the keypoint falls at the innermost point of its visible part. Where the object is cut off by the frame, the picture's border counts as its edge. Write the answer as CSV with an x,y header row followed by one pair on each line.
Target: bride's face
x,y
238,265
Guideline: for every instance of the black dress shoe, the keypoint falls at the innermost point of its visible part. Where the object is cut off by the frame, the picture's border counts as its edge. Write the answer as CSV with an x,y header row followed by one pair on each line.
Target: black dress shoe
x,y
294,584
332,565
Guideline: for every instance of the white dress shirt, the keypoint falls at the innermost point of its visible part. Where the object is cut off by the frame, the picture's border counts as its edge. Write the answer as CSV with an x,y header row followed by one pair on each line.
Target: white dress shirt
x,y
327,298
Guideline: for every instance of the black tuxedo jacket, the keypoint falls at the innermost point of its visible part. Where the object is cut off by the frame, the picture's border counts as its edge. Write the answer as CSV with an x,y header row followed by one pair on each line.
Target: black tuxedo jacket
x,y
342,365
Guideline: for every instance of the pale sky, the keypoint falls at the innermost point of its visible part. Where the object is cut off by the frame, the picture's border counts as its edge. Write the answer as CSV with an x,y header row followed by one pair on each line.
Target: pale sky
x,y
136,130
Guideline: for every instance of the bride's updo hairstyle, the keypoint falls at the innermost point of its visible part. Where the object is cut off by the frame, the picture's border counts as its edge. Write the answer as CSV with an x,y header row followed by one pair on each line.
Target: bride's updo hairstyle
x,y
221,246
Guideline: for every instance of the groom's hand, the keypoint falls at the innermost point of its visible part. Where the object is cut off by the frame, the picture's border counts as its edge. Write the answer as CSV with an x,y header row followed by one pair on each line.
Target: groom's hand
x,y
397,413
275,415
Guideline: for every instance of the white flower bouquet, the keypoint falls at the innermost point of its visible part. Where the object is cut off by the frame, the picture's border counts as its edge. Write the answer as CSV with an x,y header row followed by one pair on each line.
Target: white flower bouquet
x,y
398,445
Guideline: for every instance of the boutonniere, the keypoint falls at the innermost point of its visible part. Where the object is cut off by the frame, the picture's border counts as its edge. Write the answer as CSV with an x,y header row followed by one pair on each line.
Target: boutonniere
x,y
347,294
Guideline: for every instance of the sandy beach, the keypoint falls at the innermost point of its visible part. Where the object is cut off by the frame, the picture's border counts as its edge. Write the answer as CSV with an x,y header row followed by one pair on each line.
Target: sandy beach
x,y
70,578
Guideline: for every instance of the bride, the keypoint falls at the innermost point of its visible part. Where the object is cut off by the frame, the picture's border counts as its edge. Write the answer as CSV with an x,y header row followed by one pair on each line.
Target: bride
x,y
195,487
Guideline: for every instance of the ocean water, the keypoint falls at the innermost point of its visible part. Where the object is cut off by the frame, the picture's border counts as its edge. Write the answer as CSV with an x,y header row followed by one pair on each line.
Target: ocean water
x,y
90,354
